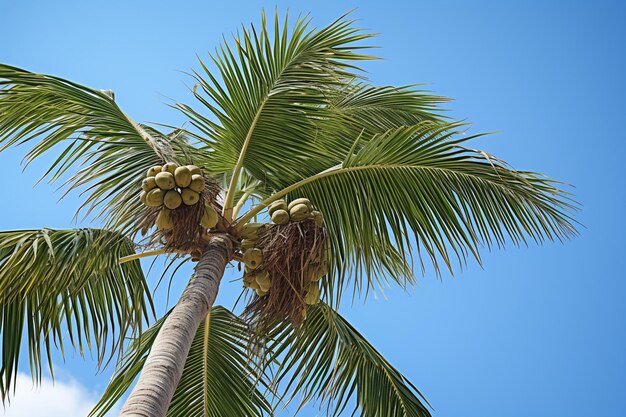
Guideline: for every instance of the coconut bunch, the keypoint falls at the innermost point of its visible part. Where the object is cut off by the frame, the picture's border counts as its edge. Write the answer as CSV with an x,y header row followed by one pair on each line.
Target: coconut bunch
x,y
284,262
182,203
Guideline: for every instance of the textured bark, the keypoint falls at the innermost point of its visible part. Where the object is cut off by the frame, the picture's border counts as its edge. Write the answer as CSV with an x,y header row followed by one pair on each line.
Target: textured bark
x,y
164,366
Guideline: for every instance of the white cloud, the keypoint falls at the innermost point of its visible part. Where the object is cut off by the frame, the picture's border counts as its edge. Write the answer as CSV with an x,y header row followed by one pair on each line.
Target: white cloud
x,y
58,399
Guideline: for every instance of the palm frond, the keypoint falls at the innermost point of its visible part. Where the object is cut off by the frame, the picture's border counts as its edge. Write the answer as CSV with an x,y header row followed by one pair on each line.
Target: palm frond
x,y
218,379
88,129
66,285
327,361
419,186
272,87
361,110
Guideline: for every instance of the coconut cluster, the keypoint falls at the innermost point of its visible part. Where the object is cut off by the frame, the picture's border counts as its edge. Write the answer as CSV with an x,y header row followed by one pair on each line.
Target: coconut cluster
x,y
171,186
299,209
282,213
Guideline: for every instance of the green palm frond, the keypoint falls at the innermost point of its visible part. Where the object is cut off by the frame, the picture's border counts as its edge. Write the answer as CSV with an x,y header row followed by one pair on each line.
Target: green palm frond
x,y
60,286
272,87
218,379
360,110
328,361
419,186
90,130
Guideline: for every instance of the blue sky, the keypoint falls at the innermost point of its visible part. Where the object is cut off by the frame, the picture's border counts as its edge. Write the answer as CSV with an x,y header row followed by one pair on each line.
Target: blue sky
x,y
539,331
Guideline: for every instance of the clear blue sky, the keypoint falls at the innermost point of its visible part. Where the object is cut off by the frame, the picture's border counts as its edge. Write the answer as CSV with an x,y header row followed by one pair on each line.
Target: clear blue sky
x,y
540,331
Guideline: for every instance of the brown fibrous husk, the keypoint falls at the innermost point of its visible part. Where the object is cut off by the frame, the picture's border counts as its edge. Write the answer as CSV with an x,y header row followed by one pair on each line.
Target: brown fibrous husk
x,y
288,251
186,236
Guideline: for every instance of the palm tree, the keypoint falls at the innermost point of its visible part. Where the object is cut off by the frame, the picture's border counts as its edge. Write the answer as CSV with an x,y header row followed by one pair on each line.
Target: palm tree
x,y
286,114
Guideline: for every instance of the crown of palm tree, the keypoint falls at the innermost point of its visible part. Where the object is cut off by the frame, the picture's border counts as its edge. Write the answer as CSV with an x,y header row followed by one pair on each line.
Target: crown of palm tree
x,y
284,112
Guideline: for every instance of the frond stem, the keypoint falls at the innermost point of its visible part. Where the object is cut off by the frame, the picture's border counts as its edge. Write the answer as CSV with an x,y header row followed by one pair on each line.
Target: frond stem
x,y
148,253
240,203
279,194
227,212
205,363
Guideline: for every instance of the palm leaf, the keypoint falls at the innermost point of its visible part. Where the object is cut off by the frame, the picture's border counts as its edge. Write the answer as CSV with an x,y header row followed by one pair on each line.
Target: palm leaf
x,y
328,361
90,130
218,379
418,186
60,285
272,88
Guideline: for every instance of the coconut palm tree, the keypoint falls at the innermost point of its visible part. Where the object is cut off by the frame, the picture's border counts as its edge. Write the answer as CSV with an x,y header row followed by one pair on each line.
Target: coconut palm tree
x,y
283,113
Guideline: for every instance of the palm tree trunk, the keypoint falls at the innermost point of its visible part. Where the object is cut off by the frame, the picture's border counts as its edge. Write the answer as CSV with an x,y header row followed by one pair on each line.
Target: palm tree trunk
x,y
164,366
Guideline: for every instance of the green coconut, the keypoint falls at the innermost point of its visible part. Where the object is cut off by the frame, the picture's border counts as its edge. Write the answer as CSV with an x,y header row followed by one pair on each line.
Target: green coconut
x,y
261,293
197,183
300,201
165,180
194,170
316,272
250,282
253,258
280,217
148,184
182,176
170,167
277,205
209,217
154,198
264,281
142,197
318,217
251,230
312,295
190,197
154,170
164,220
299,212
172,199
247,244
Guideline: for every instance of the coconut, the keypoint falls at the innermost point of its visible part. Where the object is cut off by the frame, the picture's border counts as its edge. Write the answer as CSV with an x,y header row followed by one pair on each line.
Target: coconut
x,y
142,197
190,197
300,201
264,281
154,170
251,230
164,220
169,167
316,272
197,183
249,281
209,218
261,293
148,184
253,258
247,244
312,295
165,180
154,198
277,205
182,176
172,199
318,217
194,170
280,217
299,212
